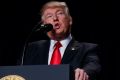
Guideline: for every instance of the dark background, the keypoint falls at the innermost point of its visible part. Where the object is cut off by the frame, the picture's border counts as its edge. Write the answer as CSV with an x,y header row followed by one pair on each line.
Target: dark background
x,y
92,22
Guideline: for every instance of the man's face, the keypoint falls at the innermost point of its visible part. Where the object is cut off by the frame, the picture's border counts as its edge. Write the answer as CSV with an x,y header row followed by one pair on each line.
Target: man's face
x,y
60,20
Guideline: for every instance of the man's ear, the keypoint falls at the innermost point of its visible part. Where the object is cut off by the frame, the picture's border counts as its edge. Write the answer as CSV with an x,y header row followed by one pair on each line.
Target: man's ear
x,y
71,21
42,21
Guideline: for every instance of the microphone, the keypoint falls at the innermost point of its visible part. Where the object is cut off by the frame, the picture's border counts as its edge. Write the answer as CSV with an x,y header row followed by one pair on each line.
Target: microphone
x,y
44,27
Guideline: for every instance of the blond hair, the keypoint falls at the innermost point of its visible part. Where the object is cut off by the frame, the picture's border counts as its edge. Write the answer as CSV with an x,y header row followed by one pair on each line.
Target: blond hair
x,y
53,4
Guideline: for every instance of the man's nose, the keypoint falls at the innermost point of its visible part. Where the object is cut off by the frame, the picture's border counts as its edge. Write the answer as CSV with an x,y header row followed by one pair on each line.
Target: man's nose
x,y
55,18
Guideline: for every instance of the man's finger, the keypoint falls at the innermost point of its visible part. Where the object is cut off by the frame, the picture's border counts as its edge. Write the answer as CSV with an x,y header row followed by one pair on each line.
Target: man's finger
x,y
81,74
77,74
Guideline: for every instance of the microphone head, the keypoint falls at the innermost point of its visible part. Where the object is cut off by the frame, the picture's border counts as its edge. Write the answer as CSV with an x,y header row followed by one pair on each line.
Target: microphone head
x,y
45,27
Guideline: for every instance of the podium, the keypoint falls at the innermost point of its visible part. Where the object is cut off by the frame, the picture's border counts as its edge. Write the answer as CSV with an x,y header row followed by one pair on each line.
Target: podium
x,y
35,72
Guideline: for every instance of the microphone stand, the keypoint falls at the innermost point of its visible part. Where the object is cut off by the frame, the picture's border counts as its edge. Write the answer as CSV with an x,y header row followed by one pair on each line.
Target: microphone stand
x,y
26,42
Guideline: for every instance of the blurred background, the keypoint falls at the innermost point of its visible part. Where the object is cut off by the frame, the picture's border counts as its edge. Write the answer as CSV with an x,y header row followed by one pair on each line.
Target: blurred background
x,y
92,22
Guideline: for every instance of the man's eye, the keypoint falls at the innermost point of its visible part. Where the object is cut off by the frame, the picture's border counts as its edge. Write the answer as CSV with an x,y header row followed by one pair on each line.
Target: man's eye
x,y
60,13
48,16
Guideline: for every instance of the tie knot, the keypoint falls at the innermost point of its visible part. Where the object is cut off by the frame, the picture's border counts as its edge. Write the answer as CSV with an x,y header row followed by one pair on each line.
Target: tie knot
x,y
58,44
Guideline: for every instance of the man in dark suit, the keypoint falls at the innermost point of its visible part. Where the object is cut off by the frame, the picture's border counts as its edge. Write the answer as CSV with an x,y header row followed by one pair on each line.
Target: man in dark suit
x,y
82,57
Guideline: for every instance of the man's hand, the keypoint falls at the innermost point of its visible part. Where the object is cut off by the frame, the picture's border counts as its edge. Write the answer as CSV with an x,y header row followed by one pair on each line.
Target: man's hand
x,y
80,74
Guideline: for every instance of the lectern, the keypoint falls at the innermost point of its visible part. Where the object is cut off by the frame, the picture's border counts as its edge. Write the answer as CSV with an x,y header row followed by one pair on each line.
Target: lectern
x,y
35,72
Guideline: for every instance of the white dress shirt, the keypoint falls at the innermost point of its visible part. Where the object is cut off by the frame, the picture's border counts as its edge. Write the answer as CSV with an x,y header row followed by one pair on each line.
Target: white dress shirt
x,y
64,43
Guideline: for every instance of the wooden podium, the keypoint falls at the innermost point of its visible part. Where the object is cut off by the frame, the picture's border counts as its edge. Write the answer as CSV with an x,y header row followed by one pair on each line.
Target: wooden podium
x,y
35,72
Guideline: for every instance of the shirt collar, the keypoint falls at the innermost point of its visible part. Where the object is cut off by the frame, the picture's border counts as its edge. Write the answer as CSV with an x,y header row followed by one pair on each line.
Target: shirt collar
x,y
64,42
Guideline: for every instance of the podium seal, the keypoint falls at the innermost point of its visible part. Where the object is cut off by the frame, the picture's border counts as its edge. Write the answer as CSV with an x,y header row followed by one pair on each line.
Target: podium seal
x,y
12,77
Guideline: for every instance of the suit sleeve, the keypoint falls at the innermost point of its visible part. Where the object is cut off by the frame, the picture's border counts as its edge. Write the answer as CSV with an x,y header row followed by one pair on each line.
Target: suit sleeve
x,y
91,62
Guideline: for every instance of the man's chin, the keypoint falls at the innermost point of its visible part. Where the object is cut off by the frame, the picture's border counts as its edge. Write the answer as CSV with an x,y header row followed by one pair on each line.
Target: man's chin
x,y
56,35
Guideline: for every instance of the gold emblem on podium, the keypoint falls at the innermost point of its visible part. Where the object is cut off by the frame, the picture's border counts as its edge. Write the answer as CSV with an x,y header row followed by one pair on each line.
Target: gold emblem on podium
x,y
12,77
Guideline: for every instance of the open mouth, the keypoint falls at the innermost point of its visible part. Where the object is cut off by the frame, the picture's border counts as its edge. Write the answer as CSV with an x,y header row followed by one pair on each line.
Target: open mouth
x,y
57,26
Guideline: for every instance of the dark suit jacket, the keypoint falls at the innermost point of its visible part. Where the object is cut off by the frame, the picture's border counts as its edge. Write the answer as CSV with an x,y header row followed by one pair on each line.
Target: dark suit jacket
x,y
78,55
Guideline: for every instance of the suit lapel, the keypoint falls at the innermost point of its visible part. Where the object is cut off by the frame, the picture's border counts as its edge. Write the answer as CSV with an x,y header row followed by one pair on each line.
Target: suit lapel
x,y
70,51
43,53
46,53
